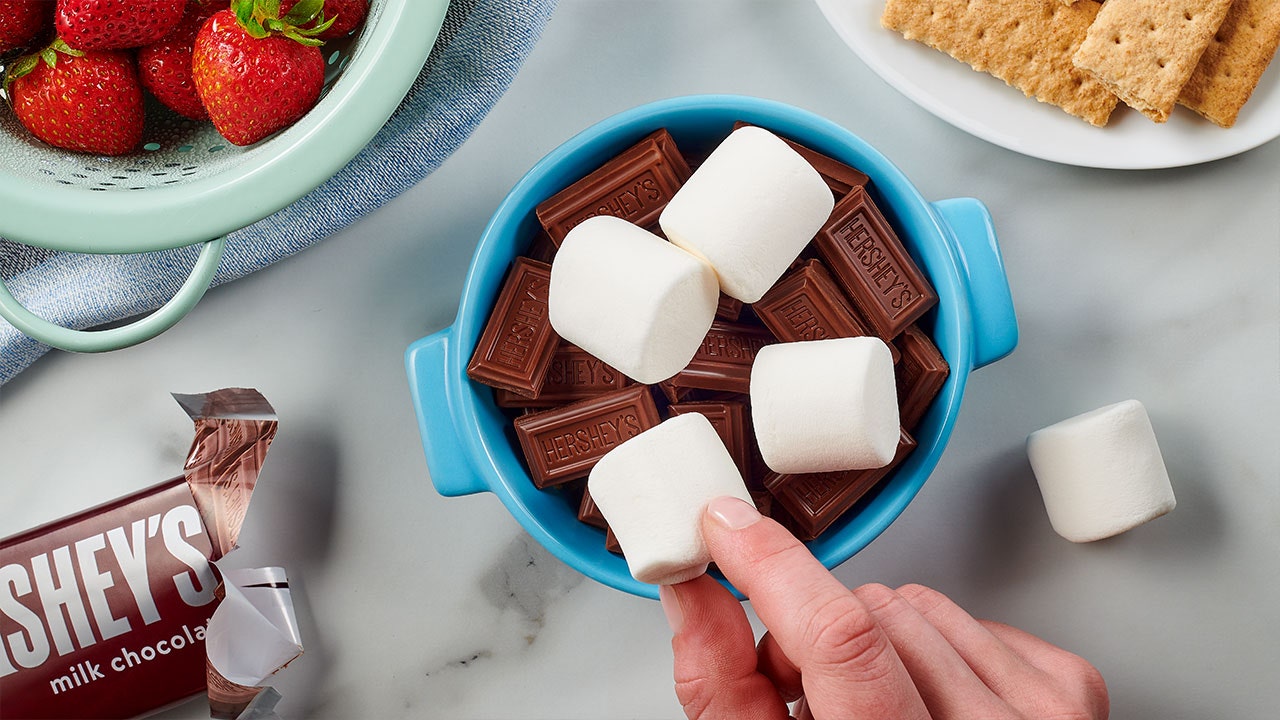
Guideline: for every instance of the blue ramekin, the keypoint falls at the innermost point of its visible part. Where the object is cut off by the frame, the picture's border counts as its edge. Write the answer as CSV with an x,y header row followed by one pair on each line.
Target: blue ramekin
x,y
466,437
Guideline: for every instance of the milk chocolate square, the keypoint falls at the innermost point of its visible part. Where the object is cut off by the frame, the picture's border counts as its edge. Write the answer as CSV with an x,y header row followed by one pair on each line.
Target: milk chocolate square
x,y
871,265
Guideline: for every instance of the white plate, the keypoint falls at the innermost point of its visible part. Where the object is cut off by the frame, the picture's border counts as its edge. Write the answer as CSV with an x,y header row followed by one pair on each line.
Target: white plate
x,y
984,106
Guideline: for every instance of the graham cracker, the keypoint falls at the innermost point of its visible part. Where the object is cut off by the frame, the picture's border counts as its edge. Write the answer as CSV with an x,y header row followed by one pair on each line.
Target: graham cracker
x,y
1146,50
1233,63
1026,43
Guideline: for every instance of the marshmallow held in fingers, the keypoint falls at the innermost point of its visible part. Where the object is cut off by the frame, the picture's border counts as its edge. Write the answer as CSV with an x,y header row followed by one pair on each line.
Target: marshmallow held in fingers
x,y
749,210
1101,473
631,298
825,405
653,488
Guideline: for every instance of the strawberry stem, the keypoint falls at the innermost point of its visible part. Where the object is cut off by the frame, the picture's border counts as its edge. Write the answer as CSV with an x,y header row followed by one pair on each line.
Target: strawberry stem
x,y
261,19
49,54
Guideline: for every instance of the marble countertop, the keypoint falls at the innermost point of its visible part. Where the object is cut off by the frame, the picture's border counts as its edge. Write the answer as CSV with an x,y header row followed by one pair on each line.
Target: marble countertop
x,y
1158,285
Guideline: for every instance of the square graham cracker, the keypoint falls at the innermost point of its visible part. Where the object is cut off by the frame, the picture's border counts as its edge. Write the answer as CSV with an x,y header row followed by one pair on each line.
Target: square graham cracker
x,y
1026,43
1146,50
1233,63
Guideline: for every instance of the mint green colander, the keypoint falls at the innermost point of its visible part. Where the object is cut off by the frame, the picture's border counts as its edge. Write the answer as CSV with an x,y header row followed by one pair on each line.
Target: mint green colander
x,y
187,184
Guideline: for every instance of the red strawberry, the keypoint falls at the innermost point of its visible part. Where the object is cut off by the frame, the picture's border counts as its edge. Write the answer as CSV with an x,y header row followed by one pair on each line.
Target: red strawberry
x,y
257,73
207,7
346,14
21,21
113,24
165,66
87,101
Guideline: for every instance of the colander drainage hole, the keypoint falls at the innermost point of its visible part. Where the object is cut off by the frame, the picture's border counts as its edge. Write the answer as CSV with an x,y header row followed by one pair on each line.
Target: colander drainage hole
x,y
79,175
216,148
186,148
151,146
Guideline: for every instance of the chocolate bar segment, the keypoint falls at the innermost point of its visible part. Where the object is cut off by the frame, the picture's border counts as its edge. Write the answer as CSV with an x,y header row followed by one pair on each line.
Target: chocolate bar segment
x,y
920,375
873,268
563,444
728,308
589,512
611,542
517,344
723,360
839,177
814,501
573,374
807,305
635,186
730,421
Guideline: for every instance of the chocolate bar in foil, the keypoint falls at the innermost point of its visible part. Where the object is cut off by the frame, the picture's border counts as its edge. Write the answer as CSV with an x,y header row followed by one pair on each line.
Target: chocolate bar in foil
x,y
107,613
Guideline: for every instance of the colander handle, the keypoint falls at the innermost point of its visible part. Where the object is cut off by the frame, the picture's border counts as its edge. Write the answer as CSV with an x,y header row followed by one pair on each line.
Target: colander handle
x,y
92,341
427,363
995,326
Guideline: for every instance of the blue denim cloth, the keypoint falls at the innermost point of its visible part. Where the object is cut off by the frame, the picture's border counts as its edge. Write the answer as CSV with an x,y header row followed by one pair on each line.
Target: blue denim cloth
x,y
481,47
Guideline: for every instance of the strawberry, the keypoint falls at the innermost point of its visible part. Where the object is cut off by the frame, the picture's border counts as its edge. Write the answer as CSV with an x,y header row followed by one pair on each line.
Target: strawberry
x,y
165,66
114,24
21,21
82,100
207,7
346,14
257,72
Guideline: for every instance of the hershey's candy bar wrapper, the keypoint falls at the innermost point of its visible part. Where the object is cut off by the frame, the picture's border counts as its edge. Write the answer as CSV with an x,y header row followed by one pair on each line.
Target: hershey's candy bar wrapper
x,y
119,610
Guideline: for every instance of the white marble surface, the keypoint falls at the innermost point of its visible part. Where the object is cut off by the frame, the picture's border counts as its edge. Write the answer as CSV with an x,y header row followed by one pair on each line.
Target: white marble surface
x,y
1164,286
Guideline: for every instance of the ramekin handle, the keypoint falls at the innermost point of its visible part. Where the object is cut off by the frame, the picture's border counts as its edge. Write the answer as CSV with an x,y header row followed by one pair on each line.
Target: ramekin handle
x,y
426,361
995,326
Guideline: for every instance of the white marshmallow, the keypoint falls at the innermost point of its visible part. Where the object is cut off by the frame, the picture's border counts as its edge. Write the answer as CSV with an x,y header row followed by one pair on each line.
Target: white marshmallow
x,y
749,210
825,405
653,489
1101,473
631,298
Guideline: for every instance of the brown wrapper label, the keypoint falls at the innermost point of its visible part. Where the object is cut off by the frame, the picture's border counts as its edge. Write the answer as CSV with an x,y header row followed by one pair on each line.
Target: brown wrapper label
x,y
234,430
104,613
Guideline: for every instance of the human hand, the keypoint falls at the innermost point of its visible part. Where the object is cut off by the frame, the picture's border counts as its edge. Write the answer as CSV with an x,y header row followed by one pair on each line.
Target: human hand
x,y
871,653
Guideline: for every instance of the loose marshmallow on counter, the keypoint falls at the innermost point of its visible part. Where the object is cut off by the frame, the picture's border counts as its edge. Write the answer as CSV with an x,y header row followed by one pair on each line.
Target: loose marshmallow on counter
x,y
653,488
631,298
1101,473
749,210
825,405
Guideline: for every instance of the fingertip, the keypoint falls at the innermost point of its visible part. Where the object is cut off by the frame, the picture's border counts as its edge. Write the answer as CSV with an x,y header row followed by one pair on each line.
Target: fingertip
x,y
732,513
670,601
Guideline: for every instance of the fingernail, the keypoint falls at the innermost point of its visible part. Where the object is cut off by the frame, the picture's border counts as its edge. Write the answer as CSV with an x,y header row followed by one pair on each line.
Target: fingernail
x,y
671,608
733,513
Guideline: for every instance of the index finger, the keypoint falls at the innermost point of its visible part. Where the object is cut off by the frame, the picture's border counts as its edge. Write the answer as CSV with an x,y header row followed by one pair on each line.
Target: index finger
x,y
846,661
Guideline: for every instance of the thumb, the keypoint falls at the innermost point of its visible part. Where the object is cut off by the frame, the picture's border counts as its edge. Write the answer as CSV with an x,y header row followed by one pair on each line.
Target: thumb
x,y
848,666
715,655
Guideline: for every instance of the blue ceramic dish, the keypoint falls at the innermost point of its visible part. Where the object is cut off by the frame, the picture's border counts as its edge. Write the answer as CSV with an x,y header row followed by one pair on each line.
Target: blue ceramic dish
x,y
468,443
